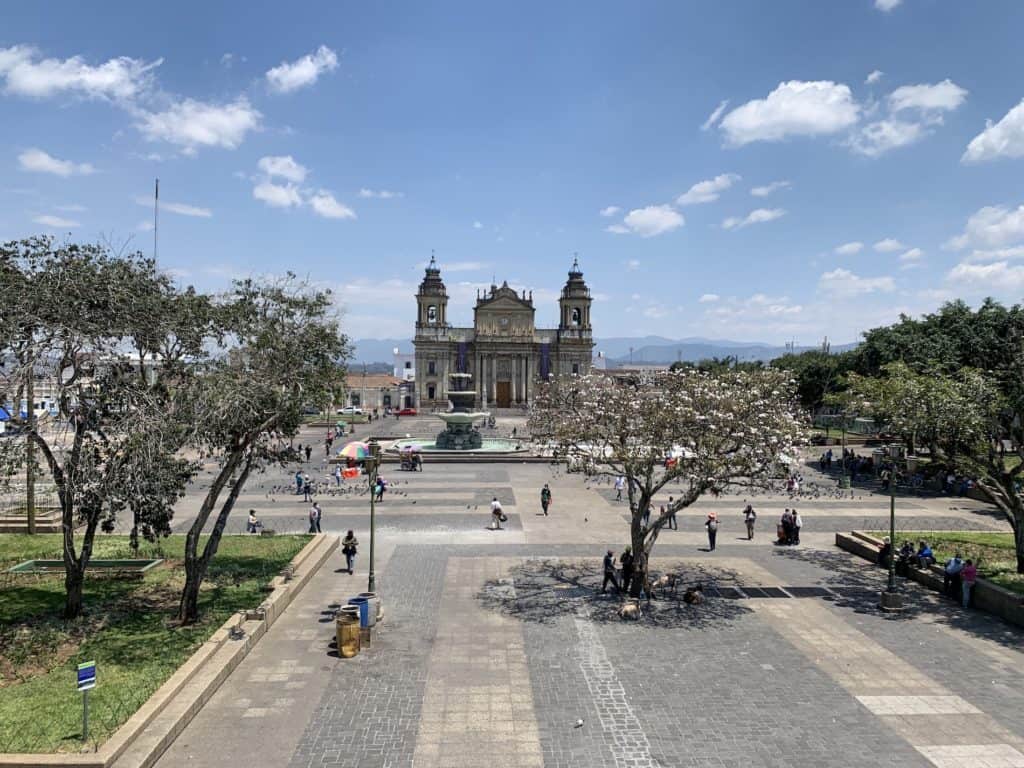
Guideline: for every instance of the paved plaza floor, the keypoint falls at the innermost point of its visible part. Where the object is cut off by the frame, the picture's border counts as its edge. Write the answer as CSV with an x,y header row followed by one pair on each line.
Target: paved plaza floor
x,y
497,644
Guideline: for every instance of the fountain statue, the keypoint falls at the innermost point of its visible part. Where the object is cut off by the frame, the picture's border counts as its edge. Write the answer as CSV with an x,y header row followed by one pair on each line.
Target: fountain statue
x,y
459,433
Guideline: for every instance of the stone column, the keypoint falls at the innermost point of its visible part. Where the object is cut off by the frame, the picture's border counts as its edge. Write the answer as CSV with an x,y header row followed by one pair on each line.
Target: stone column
x,y
515,379
494,378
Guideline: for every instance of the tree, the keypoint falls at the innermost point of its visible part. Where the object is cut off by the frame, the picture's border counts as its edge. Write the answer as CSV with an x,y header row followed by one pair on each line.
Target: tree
x,y
285,350
817,374
723,428
966,419
113,442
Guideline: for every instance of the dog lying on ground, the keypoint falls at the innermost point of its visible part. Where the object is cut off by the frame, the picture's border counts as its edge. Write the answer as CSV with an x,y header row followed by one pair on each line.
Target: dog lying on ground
x,y
630,610
694,595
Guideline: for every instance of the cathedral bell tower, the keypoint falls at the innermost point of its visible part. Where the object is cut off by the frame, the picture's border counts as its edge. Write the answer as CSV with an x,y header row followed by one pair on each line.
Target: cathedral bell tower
x,y
431,300
574,305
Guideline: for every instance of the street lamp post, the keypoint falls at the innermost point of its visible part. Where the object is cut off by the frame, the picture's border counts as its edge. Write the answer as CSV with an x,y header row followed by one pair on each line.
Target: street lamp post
x,y
372,466
891,600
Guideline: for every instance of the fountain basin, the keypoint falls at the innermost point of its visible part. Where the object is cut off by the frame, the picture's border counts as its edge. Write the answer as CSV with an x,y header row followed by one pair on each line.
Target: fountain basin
x,y
495,445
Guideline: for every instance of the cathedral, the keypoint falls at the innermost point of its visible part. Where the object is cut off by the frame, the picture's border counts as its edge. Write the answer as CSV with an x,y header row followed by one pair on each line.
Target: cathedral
x,y
504,352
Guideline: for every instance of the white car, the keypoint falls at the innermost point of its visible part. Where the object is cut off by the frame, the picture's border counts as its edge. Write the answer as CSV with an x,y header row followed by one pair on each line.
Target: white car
x,y
351,410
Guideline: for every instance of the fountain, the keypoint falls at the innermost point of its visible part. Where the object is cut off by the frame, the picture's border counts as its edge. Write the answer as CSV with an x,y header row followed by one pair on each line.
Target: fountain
x,y
459,433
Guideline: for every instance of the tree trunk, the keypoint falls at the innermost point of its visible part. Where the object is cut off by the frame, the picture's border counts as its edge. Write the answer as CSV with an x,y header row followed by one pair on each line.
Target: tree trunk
x,y
196,565
1018,538
30,453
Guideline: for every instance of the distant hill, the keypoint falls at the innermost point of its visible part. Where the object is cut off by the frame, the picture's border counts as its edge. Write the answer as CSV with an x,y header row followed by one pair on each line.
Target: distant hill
x,y
693,350
646,349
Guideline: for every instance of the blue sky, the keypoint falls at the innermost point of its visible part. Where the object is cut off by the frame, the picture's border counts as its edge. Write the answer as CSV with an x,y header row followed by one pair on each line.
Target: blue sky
x,y
866,159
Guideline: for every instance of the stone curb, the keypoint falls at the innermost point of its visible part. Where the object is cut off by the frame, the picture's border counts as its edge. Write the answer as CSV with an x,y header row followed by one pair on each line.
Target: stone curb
x,y
987,596
145,736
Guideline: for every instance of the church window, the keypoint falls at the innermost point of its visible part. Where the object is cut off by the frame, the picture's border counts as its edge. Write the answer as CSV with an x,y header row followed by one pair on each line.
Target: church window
x,y
575,316
575,368
432,314
431,368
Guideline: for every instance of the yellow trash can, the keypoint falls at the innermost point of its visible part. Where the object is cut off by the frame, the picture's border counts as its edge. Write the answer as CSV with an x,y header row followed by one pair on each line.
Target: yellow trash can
x,y
347,631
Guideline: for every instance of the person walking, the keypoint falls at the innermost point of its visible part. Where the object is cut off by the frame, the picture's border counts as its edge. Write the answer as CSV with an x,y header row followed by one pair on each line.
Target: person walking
x,y
298,483
309,452
620,486
254,525
798,523
496,514
315,515
626,562
672,515
349,547
381,485
545,499
307,488
786,535
609,573
968,577
749,518
337,475
712,527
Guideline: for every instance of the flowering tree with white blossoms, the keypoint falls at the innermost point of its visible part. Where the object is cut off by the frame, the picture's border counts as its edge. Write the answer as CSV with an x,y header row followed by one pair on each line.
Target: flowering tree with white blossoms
x,y
724,428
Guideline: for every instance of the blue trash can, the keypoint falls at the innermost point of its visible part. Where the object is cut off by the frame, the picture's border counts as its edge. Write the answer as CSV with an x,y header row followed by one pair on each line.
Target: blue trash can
x,y
364,610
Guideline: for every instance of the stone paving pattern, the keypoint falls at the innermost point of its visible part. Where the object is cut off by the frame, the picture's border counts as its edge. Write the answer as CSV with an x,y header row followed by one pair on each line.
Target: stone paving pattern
x,y
495,644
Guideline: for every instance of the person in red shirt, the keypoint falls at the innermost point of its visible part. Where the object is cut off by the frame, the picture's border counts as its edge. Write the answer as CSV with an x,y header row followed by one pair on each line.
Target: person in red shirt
x,y
968,577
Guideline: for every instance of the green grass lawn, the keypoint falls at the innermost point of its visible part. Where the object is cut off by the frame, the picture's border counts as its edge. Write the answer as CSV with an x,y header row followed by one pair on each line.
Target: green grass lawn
x,y
993,553
128,629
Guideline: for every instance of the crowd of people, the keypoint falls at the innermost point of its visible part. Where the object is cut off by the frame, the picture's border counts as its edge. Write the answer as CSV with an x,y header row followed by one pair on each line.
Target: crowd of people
x,y
958,575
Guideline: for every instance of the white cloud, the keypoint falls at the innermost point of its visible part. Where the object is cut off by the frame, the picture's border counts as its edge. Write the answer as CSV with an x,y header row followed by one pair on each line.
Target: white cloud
x,y
888,245
1002,139
324,204
182,209
283,166
291,76
887,5
277,195
913,255
38,161
940,97
633,264
55,222
757,216
190,123
794,108
998,277
617,229
25,74
611,210
707,191
844,283
652,221
993,226
708,298
768,189
874,77
478,225
144,226
73,208
380,194
713,117
997,254
848,249
877,138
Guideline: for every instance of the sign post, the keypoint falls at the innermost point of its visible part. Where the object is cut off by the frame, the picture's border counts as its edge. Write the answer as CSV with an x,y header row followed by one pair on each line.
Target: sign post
x,y
86,682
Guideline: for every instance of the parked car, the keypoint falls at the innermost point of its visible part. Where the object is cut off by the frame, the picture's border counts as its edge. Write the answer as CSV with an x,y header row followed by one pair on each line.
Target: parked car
x,y
407,412
351,410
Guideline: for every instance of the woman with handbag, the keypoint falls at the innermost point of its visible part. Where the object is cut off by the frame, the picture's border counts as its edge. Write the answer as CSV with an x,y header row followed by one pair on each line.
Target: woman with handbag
x,y
349,547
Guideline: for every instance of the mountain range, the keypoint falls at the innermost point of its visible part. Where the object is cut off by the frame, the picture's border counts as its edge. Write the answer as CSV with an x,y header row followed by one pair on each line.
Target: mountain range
x,y
621,350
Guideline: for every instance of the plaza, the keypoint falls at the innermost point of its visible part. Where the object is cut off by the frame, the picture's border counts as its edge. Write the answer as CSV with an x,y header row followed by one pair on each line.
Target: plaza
x,y
496,644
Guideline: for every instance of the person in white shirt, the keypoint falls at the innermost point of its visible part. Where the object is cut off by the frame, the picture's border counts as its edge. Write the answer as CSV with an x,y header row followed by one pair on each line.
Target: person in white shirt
x,y
496,514
620,486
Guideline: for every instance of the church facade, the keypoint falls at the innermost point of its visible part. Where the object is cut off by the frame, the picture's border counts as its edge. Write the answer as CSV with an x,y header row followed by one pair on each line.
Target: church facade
x,y
504,351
